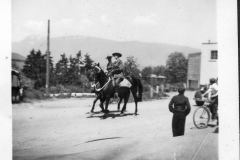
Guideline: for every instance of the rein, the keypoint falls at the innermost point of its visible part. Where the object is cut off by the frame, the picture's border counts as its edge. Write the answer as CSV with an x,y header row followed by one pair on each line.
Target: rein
x,y
99,89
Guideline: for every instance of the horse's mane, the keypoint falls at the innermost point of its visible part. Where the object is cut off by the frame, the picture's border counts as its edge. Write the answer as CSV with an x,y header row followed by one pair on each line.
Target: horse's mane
x,y
100,73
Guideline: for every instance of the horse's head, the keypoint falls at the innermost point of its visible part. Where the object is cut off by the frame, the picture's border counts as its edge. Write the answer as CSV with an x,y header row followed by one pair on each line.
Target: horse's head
x,y
96,72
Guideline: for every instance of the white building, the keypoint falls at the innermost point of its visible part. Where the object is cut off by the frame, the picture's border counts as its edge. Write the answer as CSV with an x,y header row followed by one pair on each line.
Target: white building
x,y
202,66
209,62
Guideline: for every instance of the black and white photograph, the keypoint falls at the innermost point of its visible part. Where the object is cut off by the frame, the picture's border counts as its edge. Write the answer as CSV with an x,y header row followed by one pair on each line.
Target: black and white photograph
x,y
120,80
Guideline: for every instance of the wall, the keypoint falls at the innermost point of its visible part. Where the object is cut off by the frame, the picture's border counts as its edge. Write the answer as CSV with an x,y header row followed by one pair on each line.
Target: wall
x,y
209,67
19,63
194,62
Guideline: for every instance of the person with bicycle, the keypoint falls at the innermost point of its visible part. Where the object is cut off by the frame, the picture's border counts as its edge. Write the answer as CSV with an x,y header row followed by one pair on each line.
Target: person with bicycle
x,y
180,107
213,96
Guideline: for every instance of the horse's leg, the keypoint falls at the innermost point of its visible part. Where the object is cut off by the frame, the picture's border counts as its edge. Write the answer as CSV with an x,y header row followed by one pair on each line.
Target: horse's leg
x,y
126,97
94,102
134,93
119,102
101,104
106,104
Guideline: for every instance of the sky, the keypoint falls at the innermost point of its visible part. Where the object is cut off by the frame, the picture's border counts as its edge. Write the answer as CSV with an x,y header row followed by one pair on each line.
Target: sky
x,y
189,22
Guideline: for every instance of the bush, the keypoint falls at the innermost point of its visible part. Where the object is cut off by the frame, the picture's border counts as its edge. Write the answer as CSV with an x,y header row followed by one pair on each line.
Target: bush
x,y
43,90
33,94
146,88
73,89
62,89
63,96
53,90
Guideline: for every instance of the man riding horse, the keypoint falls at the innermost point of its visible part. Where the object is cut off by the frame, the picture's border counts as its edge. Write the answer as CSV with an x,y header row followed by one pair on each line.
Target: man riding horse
x,y
117,71
110,64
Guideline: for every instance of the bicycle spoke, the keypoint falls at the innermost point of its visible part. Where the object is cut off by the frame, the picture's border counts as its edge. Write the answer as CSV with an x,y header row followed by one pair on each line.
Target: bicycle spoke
x,y
201,118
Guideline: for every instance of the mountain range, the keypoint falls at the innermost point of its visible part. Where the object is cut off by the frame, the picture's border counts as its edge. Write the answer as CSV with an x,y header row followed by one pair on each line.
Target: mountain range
x,y
147,54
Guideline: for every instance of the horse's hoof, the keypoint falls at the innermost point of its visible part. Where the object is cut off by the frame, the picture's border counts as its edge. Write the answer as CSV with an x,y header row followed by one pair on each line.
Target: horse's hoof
x,y
91,111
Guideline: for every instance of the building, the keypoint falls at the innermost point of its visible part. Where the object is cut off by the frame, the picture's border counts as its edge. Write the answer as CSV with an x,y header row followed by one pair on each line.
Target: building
x,y
18,60
156,80
193,75
202,66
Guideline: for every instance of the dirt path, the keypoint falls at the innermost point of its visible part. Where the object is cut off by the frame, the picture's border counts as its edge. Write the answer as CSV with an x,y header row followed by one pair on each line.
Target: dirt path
x,y
64,129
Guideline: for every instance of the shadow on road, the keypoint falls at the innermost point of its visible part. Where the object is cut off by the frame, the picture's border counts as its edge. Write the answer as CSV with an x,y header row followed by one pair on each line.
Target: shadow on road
x,y
110,115
216,130
102,139
98,112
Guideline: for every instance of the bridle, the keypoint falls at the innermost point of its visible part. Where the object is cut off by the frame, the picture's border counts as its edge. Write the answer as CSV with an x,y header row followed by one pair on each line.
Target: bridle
x,y
100,79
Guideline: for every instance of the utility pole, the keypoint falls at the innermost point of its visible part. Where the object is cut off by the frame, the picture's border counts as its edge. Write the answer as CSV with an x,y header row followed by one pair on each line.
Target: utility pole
x,y
47,67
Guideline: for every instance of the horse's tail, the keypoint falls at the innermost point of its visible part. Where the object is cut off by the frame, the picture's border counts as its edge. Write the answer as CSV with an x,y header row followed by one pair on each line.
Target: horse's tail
x,y
140,90
137,82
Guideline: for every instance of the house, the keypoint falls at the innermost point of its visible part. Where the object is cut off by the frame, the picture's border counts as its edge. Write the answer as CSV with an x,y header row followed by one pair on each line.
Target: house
x,y
202,66
18,60
156,80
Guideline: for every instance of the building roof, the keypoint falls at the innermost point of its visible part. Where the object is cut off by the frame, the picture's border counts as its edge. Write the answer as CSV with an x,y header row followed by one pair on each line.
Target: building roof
x,y
209,42
18,57
194,54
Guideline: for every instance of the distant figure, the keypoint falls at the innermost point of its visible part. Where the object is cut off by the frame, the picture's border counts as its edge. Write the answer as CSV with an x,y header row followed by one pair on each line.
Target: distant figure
x,y
180,107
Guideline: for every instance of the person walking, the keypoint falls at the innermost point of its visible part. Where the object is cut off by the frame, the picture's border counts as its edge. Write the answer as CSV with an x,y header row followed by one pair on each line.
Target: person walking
x,y
180,107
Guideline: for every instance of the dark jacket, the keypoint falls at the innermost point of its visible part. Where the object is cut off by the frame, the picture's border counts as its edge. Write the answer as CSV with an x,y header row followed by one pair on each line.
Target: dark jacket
x,y
109,66
181,104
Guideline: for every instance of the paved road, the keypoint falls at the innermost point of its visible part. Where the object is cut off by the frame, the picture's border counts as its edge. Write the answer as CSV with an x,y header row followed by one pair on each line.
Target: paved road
x,y
64,129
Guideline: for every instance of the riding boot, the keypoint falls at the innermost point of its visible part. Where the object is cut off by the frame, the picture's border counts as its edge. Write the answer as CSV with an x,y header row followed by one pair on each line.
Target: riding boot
x,y
116,88
116,91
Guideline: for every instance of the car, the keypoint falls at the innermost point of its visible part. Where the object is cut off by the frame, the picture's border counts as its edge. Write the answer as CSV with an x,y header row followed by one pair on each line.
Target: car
x,y
17,90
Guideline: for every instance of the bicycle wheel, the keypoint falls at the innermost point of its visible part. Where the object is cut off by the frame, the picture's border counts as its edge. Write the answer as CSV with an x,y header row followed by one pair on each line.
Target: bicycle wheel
x,y
201,117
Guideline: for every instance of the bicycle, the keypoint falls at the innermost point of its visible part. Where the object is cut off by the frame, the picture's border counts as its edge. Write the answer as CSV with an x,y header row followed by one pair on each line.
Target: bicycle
x,y
201,116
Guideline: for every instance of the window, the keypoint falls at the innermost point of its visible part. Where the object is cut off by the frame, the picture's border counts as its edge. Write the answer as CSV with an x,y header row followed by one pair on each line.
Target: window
x,y
214,54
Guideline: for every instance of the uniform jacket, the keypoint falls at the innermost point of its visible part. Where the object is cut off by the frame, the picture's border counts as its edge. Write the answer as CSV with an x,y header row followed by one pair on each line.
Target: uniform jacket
x,y
118,65
180,104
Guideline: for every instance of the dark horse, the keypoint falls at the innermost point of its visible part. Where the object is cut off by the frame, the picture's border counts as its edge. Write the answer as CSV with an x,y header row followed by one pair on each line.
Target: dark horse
x,y
107,89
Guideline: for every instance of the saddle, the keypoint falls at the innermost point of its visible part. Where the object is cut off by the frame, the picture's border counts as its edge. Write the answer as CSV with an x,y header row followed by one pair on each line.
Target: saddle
x,y
125,83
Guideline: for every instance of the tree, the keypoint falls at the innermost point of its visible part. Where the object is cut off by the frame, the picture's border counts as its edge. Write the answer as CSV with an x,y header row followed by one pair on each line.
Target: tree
x,y
61,71
73,72
88,61
146,72
52,76
131,66
176,68
35,68
75,69
159,70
